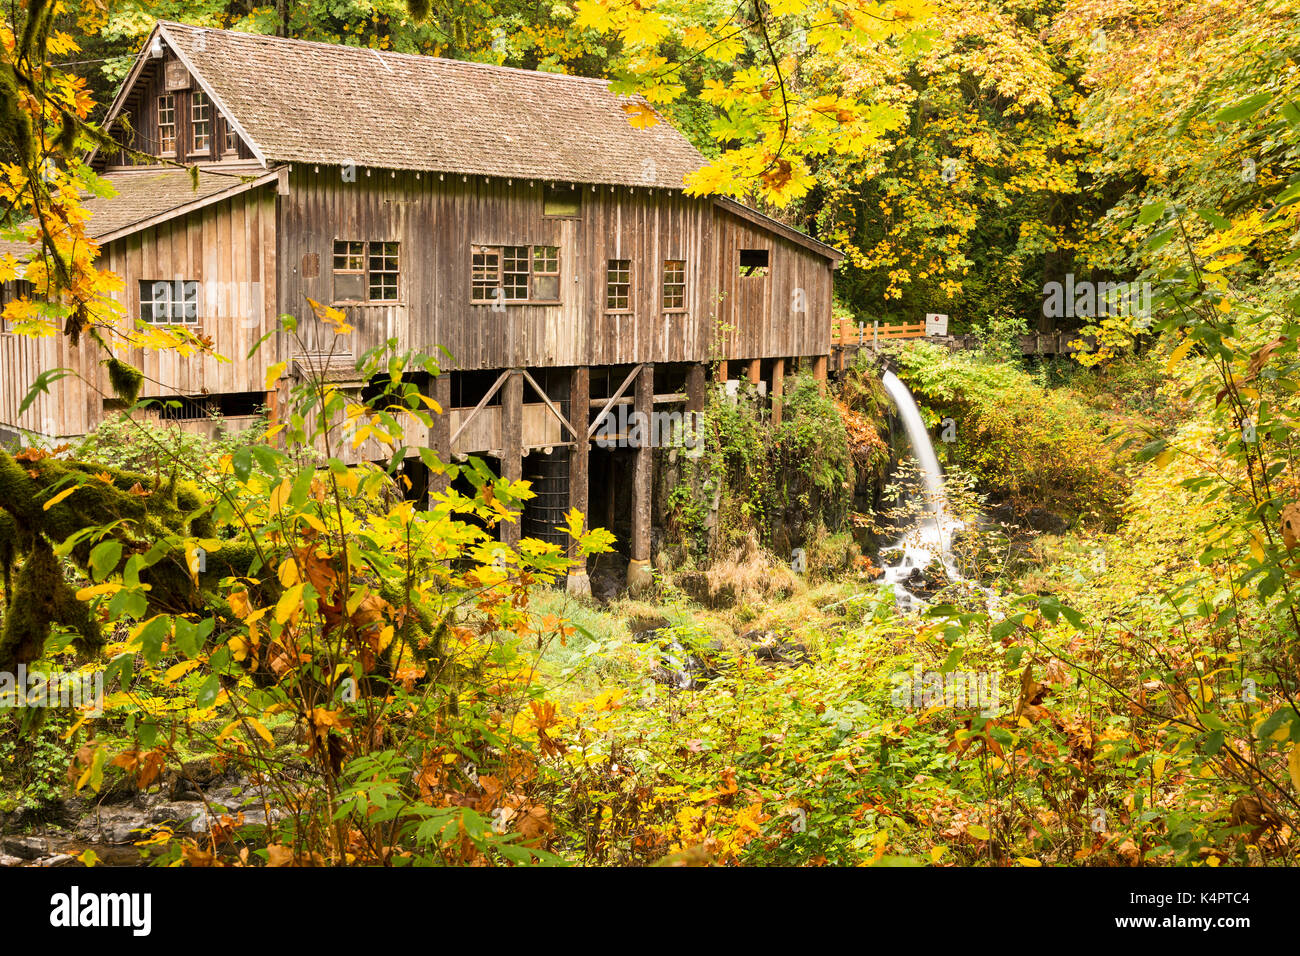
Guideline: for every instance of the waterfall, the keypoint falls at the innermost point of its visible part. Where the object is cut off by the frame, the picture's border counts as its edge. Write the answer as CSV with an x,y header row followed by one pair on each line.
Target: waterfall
x,y
930,537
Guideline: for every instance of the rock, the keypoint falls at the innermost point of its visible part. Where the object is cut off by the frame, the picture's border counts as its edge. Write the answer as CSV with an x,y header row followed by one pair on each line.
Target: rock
x,y
1040,519
6,860
59,859
26,847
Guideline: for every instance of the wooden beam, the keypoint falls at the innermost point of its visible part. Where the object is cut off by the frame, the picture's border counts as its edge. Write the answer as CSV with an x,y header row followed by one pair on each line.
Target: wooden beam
x,y
778,386
695,388
512,440
755,371
578,582
819,372
638,569
617,395
481,403
440,433
549,404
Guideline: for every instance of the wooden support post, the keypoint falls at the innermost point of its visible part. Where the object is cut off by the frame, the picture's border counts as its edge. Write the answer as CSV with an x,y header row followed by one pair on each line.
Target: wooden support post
x,y
638,569
819,372
440,432
512,445
578,582
695,388
722,371
778,386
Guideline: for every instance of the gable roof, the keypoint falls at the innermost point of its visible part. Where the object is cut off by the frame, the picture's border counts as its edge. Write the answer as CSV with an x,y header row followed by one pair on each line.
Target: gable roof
x,y
297,101
305,102
150,195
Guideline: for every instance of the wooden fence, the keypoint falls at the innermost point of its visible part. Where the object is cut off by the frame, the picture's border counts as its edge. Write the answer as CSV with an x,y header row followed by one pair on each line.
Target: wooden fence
x,y
844,332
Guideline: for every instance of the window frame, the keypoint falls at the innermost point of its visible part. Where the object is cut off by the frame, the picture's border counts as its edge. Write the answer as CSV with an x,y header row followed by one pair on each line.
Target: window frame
x,y
766,267
158,117
230,135
396,271
629,294
364,251
199,98
480,274
178,296
549,190
679,285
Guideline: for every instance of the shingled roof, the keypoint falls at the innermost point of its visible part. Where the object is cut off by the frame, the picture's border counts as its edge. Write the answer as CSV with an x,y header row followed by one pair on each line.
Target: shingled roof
x,y
303,102
148,195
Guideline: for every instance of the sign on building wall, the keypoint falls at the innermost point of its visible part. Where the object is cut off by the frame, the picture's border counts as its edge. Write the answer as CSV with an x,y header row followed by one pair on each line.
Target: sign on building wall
x,y
177,78
936,324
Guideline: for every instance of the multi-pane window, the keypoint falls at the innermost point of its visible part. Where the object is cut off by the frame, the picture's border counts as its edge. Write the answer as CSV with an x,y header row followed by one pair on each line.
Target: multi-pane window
x,y
515,274
200,121
486,278
169,301
674,284
232,139
383,272
546,273
167,123
366,271
12,291
618,285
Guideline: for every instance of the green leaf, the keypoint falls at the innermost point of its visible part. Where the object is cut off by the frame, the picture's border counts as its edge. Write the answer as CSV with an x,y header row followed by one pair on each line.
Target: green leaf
x,y
1240,111
104,557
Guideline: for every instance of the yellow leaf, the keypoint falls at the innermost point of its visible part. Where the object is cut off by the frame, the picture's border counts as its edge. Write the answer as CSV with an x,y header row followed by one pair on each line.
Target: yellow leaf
x,y
1028,861
1293,764
289,604
59,497
1178,354
273,374
177,671
977,831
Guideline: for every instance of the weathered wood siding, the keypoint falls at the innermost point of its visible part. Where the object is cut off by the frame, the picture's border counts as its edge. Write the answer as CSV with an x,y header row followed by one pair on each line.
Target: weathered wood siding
x,y
438,220
230,249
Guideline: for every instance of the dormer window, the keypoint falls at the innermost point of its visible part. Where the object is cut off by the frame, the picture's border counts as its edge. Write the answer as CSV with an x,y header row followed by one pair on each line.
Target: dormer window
x,y
200,121
167,123
232,139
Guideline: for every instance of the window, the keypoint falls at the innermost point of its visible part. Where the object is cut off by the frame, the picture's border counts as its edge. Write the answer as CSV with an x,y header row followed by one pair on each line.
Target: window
x,y
486,274
520,273
674,284
167,123
562,201
514,272
12,291
200,121
383,272
753,262
349,271
232,139
618,285
546,273
169,302
366,271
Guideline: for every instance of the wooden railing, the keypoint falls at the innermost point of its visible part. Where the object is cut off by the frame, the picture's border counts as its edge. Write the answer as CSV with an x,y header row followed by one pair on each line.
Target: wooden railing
x,y
844,332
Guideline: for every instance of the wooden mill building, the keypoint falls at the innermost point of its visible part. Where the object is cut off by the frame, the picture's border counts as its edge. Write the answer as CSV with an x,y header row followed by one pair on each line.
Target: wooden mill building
x,y
517,219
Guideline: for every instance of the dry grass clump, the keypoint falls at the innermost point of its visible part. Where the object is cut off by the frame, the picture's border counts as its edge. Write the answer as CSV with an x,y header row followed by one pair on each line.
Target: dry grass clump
x,y
747,574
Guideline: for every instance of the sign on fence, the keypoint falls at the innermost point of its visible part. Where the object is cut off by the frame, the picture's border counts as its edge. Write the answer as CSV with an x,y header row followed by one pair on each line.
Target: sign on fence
x,y
936,324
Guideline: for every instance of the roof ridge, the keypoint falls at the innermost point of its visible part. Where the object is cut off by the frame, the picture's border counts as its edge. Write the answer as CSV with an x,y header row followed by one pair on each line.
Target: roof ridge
x,y
390,53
